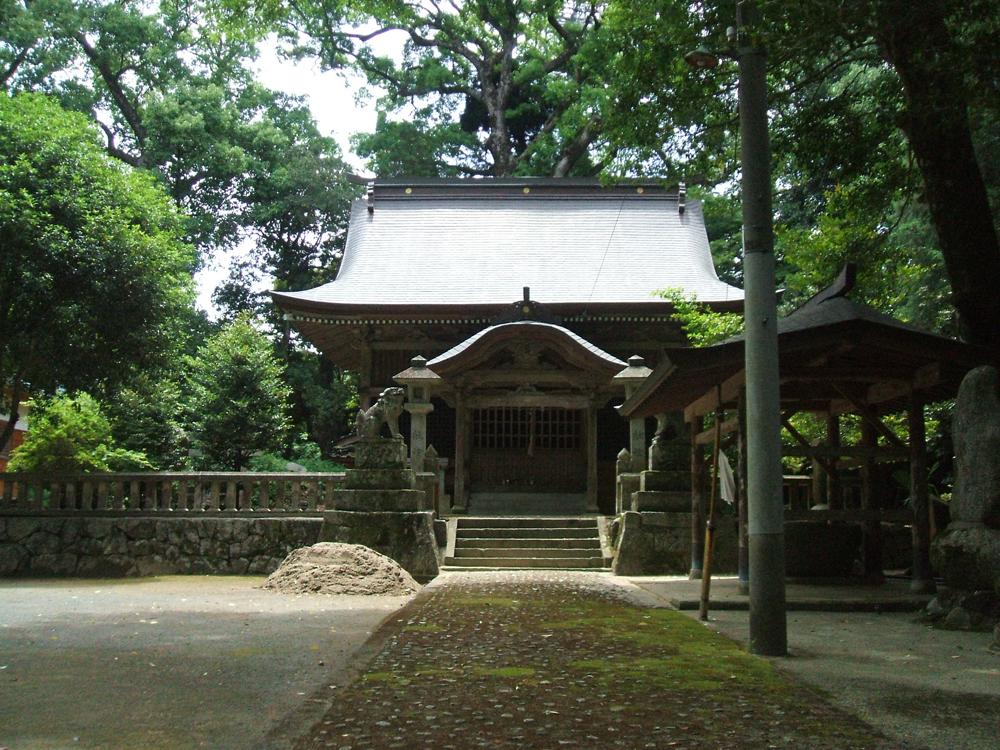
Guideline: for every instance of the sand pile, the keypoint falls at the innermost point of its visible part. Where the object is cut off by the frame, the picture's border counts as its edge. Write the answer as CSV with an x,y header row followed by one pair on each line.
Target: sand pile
x,y
333,568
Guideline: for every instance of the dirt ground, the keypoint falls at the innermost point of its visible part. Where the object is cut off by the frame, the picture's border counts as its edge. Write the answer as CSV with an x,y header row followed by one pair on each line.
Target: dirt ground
x,y
927,687
172,662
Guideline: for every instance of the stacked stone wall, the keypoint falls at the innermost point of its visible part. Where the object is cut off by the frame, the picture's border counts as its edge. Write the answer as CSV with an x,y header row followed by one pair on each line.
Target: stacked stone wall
x,y
89,546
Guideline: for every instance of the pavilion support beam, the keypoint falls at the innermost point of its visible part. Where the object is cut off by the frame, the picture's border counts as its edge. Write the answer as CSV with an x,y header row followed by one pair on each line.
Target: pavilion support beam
x,y
462,438
592,458
871,418
834,494
922,579
743,560
697,501
871,530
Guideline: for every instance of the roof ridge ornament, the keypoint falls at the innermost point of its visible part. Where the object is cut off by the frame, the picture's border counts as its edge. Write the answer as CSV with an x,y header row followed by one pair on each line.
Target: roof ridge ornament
x,y
681,197
526,309
841,286
370,196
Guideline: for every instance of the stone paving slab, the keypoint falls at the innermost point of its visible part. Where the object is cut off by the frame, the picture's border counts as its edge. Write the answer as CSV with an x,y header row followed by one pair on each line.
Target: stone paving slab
x,y
892,596
533,660
174,662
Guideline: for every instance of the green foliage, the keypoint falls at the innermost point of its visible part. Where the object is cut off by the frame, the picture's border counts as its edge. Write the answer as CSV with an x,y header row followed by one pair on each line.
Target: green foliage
x,y
483,87
237,401
303,453
147,417
71,434
702,325
95,282
324,398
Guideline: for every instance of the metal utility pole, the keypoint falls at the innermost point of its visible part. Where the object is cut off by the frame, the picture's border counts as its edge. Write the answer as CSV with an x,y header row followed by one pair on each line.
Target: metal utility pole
x,y
768,626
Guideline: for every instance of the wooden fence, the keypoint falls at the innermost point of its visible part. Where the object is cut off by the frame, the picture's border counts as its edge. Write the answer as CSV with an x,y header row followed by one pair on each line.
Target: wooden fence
x,y
167,492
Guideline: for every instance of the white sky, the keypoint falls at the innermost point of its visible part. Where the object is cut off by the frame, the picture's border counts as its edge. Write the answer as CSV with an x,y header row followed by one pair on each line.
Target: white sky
x,y
333,100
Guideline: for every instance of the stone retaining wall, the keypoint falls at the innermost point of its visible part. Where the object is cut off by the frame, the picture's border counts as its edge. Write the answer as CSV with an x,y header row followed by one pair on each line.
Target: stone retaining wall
x,y
139,546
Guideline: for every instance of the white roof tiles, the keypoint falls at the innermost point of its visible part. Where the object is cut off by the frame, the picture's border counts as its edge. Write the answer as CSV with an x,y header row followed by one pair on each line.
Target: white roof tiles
x,y
482,249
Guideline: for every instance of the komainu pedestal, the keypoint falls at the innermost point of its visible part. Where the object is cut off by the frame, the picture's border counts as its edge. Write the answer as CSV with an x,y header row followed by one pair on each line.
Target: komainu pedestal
x,y
381,481
380,507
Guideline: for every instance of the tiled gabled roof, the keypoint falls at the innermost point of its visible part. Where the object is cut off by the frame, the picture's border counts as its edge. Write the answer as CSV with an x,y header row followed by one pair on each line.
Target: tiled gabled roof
x,y
479,242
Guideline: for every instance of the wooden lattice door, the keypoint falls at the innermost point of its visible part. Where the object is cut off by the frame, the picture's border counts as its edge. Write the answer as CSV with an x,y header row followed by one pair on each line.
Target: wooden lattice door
x,y
528,449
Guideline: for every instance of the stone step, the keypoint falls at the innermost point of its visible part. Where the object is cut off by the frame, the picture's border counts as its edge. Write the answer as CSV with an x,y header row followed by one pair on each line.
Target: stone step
x,y
494,522
495,543
548,532
527,562
527,552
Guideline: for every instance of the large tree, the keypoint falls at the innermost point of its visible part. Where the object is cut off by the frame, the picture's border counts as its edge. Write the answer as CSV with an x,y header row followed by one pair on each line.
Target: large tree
x,y
878,109
485,87
237,400
95,281
172,86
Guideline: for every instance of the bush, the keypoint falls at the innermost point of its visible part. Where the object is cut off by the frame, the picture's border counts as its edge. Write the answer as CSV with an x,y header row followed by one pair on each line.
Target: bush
x,y
69,435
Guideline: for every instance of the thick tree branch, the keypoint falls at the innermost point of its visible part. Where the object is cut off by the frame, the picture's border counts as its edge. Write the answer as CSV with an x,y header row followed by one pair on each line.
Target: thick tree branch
x,y
111,80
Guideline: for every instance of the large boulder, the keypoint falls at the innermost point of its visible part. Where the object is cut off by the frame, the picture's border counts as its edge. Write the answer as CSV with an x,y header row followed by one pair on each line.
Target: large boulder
x,y
334,568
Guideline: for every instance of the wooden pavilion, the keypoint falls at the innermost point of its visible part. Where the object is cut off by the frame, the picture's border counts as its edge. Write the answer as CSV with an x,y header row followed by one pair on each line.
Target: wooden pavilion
x,y
836,357
522,299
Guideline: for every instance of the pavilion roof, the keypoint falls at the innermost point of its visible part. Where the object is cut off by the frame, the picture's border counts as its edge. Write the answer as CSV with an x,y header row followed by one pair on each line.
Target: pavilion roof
x,y
832,352
477,243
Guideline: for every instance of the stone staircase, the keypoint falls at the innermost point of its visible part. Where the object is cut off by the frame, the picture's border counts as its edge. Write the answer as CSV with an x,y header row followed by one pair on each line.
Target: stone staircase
x,y
527,542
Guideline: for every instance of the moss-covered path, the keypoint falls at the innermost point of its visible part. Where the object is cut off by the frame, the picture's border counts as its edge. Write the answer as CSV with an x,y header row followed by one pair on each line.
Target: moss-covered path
x,y
508,660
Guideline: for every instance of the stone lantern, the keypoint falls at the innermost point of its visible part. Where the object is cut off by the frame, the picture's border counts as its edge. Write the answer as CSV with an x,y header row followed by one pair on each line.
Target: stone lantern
x,y
420,382
631,377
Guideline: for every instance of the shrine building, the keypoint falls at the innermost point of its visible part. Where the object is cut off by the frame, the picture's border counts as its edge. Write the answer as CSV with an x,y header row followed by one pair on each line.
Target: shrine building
x,y
508,307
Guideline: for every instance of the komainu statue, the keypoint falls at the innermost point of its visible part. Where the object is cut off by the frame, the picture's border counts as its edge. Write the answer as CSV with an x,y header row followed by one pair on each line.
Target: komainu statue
x,y
384,411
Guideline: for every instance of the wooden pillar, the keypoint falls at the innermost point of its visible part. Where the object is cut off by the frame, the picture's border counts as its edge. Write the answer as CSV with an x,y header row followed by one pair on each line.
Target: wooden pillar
x,y
697,502
592,458
922,579
872,530
365,371
834,496
743,569
462,437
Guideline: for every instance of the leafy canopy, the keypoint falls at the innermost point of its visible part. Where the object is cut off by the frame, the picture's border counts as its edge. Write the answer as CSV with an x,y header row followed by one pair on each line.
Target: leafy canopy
x,y
71,434
237,400
95,280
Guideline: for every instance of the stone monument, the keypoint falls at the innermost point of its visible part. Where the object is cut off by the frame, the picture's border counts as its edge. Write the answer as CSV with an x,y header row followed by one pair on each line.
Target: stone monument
x,y
379,504
967,554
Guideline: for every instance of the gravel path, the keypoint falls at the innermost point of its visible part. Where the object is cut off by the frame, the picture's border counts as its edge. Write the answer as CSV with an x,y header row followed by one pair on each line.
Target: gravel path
x,y
550,660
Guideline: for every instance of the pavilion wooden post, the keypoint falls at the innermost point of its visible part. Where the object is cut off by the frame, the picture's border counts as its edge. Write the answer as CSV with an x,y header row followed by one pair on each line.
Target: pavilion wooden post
x,y
697,501
591,458
922,579
872,529
743,561
834,496
461,452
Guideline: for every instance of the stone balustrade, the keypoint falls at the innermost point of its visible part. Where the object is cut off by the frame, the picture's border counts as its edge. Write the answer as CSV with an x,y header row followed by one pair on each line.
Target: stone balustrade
x,y
167,492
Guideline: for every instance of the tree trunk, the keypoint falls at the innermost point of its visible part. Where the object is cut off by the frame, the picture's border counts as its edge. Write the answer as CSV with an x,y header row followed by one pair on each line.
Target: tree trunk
x,y
914,38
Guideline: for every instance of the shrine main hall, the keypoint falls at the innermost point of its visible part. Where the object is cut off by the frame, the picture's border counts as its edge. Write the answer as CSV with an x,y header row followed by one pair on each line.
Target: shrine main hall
x,y
510,309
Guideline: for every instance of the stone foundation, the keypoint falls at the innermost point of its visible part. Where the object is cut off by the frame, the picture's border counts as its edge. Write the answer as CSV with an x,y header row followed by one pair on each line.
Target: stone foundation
x,y
408,538
660,544
107,546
